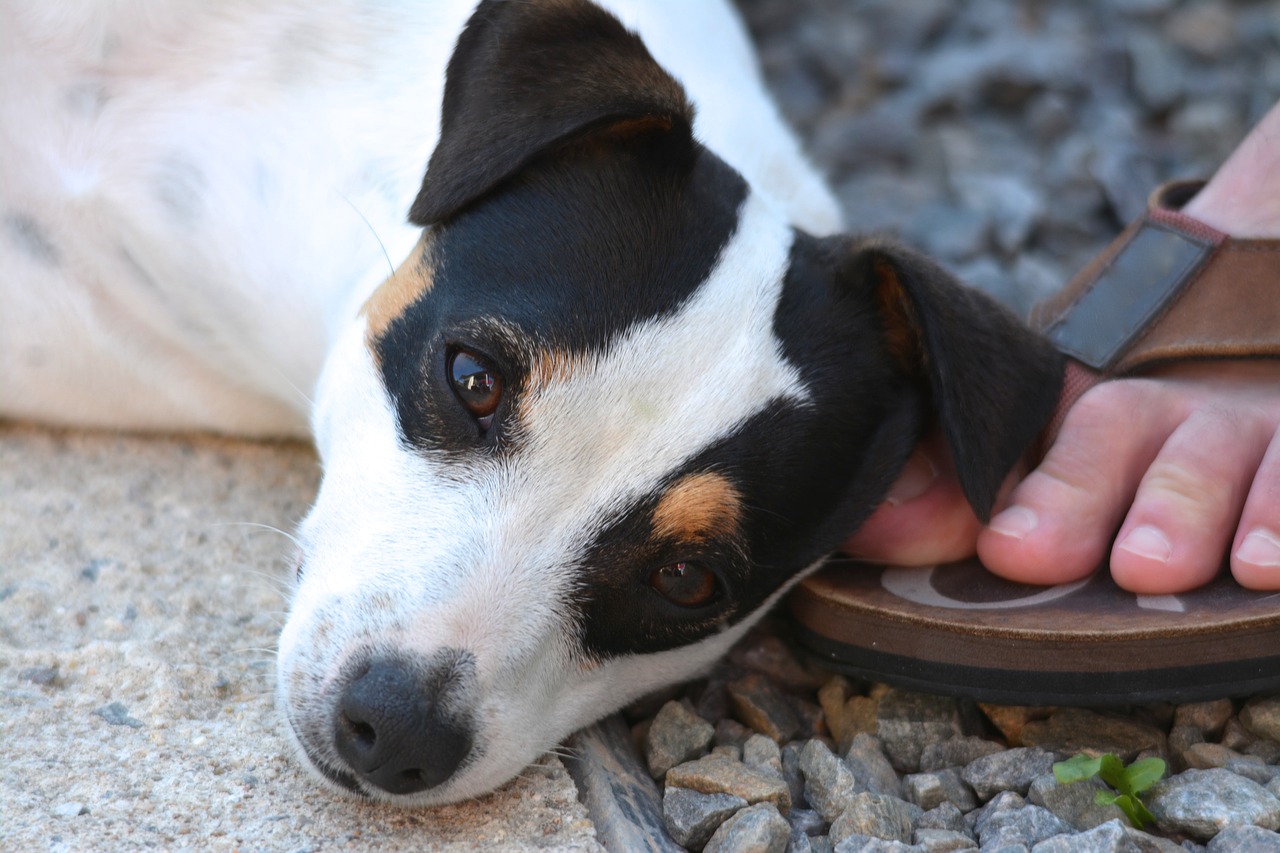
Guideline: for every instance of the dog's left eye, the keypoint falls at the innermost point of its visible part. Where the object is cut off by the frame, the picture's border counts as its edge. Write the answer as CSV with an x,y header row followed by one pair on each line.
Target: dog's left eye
x,y
477,385
685,584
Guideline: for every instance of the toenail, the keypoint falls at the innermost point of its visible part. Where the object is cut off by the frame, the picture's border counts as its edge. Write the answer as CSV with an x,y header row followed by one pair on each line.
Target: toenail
x,y
1015,522
1260,548
1149,542
916,478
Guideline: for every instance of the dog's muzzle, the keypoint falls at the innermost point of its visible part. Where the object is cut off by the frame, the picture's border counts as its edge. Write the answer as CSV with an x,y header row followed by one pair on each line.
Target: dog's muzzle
x,y
404,724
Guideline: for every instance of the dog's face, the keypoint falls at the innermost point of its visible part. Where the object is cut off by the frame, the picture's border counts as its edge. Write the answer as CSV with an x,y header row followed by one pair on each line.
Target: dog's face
x,y
604,415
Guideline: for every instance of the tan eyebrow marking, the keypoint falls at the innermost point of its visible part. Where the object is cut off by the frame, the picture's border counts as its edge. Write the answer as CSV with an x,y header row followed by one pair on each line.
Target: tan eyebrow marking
x,y
697,507
393,297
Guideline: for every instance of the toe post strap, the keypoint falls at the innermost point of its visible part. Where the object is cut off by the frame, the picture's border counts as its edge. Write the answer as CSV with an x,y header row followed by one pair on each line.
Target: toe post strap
x,y
1169,288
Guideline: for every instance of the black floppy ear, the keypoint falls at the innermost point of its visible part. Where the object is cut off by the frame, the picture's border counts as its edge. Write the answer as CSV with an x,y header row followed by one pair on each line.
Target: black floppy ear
x,y
525,77
991,382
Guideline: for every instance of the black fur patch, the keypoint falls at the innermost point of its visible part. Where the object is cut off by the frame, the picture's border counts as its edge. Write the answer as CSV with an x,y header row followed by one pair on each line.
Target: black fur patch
x,y
567,255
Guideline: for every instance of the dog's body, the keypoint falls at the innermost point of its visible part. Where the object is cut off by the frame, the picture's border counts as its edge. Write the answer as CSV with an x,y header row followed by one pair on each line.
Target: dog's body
x,y
618,395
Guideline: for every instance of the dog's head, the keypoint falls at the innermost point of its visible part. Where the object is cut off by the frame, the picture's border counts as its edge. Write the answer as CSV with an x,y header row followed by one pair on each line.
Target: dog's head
x,y
611,407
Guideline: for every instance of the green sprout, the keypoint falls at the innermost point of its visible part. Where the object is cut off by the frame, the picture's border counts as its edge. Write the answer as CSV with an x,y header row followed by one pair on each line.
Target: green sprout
x,y
1127,782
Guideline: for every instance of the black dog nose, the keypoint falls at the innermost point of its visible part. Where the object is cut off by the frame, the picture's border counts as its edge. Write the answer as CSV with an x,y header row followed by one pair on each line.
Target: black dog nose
x,y
405,725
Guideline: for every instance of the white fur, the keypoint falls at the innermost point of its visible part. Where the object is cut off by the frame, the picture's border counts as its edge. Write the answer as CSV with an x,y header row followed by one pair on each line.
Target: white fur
x,y
196,198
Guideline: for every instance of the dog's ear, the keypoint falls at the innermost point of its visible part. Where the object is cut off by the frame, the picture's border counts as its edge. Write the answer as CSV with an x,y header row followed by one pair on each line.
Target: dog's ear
x,y
991,382
526,77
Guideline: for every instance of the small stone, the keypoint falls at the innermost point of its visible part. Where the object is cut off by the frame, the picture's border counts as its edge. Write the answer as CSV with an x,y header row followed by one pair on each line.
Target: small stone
x,y
871,768
118,715
1010,770
1245,839
791,773
758,704
1027,826
876,815
829,784
821,844
1011,719
716,774
1074,802
929,790
1073,730
945,816
755,829
1236,736
806,820
728,750
1208,717
1156,66
730,732
1264,748
72,809
1182,738
1207,29
957,752
770,655
43,676
1201,803
1261,717
1012,205
1250,767
1203,756
869,844
762,753
907,721
942,840
677,735
1105,838
691,817
1004,801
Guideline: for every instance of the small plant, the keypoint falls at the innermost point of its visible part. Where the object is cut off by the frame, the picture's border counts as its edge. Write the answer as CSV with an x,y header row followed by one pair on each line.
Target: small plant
x,y
1127,782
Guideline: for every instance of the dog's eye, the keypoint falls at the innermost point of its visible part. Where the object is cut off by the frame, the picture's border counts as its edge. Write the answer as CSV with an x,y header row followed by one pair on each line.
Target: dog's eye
x,y
478,386
685,584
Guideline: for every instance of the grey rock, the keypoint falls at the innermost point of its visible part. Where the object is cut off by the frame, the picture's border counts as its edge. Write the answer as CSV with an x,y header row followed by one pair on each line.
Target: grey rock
x,y
676,735
691,817
1245,839
1156,65
821,844
763,754
1105,838
870,844
1261,717
1002,802
1074,802
1072,730
1207,29
70,809
117,714
1250,768
908,721
1011,770
871,768
1011,204
877,815
956,752
1201,803
791,773
943,840
798,842
829,784
1264,748
760,705
950,232
929,790
1181,739
807,821
1204,756
1027,826
945,816
756,829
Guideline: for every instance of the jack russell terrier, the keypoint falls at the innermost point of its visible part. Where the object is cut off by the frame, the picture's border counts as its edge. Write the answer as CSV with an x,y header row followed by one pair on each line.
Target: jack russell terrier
x,y
624,386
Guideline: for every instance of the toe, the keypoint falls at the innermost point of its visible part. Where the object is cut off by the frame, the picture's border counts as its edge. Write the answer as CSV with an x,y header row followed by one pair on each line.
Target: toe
x,y
1057,524
1187,505
1255,553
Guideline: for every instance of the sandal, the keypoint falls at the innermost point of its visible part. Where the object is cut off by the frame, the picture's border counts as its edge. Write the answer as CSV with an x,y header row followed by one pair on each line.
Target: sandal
x,y
1168,289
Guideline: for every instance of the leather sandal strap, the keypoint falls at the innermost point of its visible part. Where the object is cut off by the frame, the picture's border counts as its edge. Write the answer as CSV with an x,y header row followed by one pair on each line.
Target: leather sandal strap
x,y
1168,288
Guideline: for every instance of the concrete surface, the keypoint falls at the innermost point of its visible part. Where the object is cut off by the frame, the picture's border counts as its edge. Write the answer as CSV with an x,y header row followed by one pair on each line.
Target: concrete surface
x,y
139,605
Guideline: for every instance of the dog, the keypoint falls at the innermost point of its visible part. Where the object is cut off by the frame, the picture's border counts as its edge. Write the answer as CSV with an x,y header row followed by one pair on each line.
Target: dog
x,y
625,385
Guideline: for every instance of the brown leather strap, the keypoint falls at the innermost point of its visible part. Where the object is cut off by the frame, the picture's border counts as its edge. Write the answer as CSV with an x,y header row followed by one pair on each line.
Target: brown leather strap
x,y
1169,288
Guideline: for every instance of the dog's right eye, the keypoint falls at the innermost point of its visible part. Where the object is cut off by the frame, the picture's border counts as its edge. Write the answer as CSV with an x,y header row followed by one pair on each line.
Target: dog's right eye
x,y
477,385
685,584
